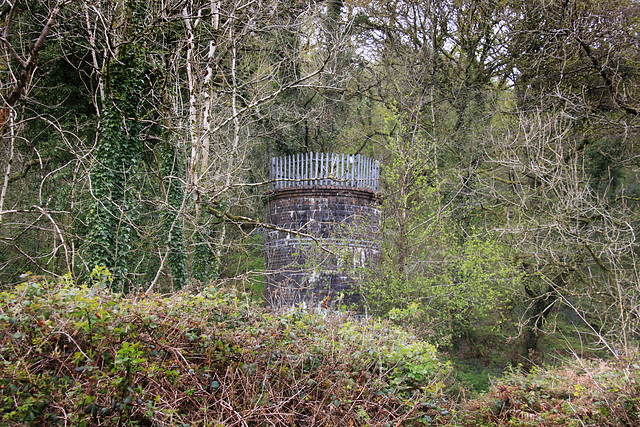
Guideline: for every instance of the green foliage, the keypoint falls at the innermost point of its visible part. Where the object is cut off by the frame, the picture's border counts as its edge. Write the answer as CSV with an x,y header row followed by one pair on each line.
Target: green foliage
x,y
112,218
471,285
100,276
603,161
245,266
204,267
438,272
411,364
584,393
88,356
477,380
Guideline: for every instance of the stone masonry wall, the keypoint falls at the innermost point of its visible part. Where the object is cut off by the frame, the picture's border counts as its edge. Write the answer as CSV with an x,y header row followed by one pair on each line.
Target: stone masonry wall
x,y
345,221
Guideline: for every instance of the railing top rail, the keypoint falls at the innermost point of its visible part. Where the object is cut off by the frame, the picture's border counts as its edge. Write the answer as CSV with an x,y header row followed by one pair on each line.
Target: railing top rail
x,y
318,169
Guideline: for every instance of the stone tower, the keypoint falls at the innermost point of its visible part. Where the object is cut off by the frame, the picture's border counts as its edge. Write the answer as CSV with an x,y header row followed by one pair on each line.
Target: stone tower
x,y
323,210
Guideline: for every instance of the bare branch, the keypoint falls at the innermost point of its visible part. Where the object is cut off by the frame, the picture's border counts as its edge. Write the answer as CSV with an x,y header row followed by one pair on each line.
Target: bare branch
x,y
27,66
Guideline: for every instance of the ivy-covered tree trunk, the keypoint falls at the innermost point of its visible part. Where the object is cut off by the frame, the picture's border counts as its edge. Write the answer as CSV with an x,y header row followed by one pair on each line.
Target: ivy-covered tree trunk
x,y
111,221
205,263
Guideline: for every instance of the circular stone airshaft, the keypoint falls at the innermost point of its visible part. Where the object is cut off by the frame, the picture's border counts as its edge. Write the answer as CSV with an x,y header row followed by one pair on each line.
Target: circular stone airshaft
x,y
324,210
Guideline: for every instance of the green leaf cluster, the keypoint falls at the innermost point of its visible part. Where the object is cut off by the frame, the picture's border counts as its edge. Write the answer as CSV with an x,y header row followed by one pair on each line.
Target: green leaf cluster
x,y
89,356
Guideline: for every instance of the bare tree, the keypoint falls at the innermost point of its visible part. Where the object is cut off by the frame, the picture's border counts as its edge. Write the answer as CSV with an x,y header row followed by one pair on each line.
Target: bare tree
x,y
27,31
183,85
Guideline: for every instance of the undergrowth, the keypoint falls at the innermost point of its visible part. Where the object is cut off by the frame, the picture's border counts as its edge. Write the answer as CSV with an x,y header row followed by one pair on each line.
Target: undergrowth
x,y
581,393
77,355
86,356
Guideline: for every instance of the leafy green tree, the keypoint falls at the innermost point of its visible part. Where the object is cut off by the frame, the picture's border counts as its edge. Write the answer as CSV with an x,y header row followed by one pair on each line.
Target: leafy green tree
x,y
453,287
435,81
526,115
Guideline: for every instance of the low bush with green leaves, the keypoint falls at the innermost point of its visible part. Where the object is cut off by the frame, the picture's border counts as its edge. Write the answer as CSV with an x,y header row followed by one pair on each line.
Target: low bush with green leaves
x,y
79,355
584,393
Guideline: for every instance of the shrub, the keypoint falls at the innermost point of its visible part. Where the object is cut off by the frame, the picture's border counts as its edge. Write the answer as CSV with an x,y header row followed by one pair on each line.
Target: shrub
x,y
78,355
588,393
